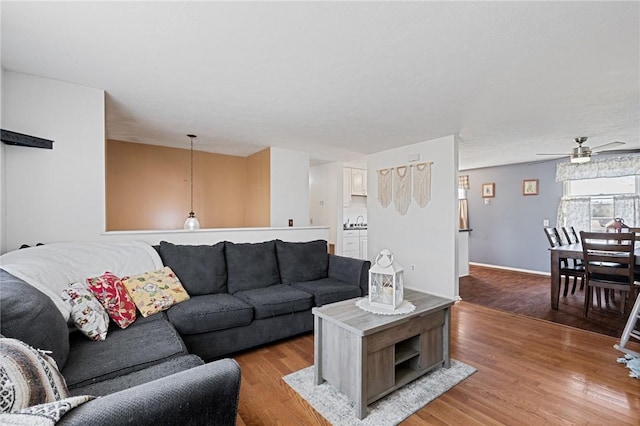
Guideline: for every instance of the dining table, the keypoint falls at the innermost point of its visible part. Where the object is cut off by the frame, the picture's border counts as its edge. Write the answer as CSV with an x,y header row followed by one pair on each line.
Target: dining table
x,y
569,251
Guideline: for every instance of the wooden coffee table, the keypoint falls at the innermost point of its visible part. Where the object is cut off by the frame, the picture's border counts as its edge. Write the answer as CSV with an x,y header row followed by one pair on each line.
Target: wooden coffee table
x,y
367,356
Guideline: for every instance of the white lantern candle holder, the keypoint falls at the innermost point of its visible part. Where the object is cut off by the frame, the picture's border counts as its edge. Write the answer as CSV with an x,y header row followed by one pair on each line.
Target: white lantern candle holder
x,y
386,282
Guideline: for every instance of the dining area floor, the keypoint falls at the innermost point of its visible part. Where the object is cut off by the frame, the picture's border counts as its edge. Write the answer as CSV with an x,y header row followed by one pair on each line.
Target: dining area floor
x,y
528,294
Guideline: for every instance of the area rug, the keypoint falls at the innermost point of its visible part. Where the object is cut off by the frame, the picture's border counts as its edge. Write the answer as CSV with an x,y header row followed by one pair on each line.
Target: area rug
x,y
334,406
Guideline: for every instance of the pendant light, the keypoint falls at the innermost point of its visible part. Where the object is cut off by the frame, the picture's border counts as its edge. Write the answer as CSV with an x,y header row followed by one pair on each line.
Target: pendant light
x,y
192,221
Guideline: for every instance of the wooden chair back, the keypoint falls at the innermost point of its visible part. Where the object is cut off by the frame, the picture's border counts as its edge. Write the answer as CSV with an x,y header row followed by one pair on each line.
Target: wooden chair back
x,y
553,236
571,235
609,256
574,269
609,264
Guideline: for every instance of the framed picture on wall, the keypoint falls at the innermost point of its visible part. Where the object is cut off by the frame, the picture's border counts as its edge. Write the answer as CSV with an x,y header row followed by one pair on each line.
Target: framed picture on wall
x,y
488,190
530,187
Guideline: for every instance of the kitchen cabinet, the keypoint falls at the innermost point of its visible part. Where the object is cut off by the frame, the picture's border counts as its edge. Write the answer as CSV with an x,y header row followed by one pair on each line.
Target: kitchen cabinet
x,y
351,244
363,246
354,182
358,182
354,243
346,187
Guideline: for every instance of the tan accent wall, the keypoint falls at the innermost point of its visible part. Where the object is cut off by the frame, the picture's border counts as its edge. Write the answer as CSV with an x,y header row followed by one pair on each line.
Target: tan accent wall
x,y
258,213
147,187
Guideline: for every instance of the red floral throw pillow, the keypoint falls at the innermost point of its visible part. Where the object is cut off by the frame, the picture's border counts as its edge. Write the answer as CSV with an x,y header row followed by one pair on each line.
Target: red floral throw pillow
x,y
109,290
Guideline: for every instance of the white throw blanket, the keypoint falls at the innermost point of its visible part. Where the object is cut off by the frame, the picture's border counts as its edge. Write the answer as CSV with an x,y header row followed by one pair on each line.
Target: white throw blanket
x,y
52,267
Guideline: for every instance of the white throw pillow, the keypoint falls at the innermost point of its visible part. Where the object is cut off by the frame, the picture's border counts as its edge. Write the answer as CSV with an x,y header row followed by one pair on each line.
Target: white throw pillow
x,y
87,312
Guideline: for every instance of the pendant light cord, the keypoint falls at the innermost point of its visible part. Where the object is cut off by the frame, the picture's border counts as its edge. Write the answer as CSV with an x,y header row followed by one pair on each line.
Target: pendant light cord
x,y
191,175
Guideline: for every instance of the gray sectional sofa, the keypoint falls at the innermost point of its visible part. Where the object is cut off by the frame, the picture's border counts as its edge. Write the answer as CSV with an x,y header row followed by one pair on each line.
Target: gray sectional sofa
x,y
154,371
143,374
245,295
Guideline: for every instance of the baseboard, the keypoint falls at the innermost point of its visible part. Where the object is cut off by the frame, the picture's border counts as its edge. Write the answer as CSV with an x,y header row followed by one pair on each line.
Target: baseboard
x,y
507,268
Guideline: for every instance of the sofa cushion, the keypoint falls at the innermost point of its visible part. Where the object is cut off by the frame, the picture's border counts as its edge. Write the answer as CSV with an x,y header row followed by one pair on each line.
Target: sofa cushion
x,y
329,290
111,293
251,266
29,315
27,377
87,312
201,269
126,381
279,299
142,344
300,262
155,291
210,312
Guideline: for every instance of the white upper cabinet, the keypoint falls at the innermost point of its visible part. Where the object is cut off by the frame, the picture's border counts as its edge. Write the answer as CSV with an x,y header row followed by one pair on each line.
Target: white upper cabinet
x,y
346,187
358,182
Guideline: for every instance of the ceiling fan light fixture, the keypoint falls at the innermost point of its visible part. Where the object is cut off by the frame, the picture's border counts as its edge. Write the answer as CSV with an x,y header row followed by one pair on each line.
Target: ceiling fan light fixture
x,y
580,159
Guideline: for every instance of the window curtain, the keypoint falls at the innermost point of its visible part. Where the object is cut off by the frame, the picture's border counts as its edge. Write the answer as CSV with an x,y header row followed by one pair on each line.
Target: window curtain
x,y
464,214
576,211
463,206
627,207
599,168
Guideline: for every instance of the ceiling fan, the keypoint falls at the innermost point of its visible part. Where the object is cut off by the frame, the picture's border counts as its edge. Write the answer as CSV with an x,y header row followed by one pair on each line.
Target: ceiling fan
x,y
582,153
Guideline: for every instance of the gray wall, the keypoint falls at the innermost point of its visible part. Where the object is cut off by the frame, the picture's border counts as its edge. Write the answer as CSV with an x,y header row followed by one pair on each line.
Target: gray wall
x,y
509,232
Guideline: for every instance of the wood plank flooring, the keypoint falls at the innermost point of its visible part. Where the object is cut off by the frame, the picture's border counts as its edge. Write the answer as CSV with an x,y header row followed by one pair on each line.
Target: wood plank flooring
x,y
530,372
529,294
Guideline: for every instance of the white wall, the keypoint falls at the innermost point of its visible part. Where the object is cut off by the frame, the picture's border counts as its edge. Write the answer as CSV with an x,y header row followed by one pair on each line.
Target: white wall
x,y
324,198
289,187
59,194
53,194
424,237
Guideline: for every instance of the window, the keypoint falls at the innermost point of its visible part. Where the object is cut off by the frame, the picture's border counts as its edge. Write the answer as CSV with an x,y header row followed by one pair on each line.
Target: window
x,y
601,186
603,198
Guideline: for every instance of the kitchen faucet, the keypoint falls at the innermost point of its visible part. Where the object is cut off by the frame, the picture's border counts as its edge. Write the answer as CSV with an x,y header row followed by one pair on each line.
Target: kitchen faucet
x,y
358,220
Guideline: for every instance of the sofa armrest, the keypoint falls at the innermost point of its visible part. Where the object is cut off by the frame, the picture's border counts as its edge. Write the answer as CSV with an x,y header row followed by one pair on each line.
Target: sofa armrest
x,y
203,395
350,270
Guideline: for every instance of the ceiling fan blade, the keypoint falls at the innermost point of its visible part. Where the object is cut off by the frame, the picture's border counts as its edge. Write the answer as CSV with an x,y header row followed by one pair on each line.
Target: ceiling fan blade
x,y
606,145
619,151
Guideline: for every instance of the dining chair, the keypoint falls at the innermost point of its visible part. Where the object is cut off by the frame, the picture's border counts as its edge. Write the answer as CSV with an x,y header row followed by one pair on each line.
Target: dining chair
x,y
553,236
637,232
609,264
567,269
572,238
571,235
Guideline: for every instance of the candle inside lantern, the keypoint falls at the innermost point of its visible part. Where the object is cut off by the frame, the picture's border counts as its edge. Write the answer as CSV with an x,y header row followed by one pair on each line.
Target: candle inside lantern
x,y
388,293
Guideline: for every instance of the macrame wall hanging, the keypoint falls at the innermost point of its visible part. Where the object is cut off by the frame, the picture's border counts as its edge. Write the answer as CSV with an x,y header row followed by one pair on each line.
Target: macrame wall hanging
x,y
402,189
422,184
384,187
394,184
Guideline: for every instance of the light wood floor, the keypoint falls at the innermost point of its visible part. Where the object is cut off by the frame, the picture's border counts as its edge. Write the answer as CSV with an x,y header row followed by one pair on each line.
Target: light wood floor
x,y
530,372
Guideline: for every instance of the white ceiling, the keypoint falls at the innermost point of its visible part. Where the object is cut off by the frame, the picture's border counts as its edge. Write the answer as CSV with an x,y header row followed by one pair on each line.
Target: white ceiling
x,y
344,79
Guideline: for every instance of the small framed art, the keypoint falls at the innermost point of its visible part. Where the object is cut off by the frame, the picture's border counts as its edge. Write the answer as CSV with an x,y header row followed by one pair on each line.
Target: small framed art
x,y
530,187
488,190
